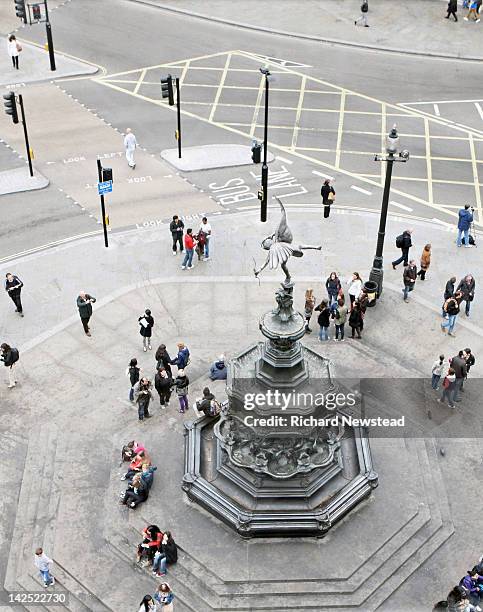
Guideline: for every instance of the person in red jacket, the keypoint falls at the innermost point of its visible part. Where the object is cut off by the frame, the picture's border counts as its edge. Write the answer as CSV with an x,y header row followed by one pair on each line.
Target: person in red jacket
x,y
189,246
152,538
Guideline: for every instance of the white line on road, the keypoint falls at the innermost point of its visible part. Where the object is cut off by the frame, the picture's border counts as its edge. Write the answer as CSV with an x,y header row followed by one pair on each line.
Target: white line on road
x,y
479,109
401,206
284,160
436,110
447,225
331,178
361,190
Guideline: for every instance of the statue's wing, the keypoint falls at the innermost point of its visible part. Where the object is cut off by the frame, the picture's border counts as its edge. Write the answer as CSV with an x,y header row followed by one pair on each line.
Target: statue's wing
x,y
283,233
279,253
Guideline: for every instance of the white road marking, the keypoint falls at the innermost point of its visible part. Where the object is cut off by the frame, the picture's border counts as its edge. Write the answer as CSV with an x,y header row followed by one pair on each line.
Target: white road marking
x,y
361,190
331,178
401,206
447,225
285,161
436,110
479,109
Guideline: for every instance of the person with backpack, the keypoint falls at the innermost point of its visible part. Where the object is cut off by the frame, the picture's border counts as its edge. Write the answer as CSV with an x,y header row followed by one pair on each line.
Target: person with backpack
x,y
13,287
142,397
465,219
437,371
448,292
323,320
425,261
183,357
448,388
176,227
340,319
452,9
356,320
133,371
404,243
163,383
146,324
467,287
208,404
333,286
452,308
9,356
328,197
409,279
364,11
181,384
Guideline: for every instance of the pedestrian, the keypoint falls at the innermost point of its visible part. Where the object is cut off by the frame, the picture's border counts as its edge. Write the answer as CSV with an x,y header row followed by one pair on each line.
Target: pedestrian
x,y
465,219
448,388
181,383
448,292
404,243
152,538
130,144
164,596
355,320
478,6
437,371
323,320
142,397
14,48
147,604
84,304
470,360
363,17
205,227
200,241
218,369
458,365
182,359
176,227
452,308
13,286
355,287
409,279
452,9
189,245
425,261
9,356
146,322
333,286
472,13
309,308
133,371
467,287
363,300
328,196
163,360
208,404
163,384
340,318
43,563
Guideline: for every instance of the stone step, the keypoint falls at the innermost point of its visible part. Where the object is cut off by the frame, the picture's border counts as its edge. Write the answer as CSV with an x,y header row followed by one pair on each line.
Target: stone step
x,y
86,599
30,584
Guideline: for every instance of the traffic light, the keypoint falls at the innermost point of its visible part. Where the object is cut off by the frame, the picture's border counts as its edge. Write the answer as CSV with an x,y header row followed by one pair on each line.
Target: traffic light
x,y
20,10
167,89
36,15
256,152
11,106
107,174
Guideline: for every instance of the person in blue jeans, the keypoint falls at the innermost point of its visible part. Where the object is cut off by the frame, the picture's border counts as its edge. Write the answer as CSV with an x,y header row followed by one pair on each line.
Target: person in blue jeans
x,y
448,388
42,563
437,371
451,308
323,320
465,219
189,245
205,227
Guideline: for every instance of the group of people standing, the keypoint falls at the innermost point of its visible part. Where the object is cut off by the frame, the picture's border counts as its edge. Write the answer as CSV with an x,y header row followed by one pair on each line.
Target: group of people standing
x,y
451,375
190,242
465,292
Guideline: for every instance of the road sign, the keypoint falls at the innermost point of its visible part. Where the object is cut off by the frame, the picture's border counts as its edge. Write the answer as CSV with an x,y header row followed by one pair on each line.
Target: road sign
x,y
104,187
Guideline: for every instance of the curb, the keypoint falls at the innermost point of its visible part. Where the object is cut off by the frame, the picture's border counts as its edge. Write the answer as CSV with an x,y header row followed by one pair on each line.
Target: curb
x,y
332,41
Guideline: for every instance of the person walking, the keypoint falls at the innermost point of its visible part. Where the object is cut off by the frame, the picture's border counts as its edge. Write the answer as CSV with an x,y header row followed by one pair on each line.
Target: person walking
x,y
176,227
404,243
467,287
363,17
189,245
13,287
340,319
333,286
163,360
130,144
355,287
451,308
448,388
142,397
323,320
355,320
448,292
205,227
84,304
309,308
452,9
465,219
181,383
9,356
13,49
425,261
470,360
328,196
437,371
409,279
472,13
146,322
43,563
458,363
163,384
147,604
133,371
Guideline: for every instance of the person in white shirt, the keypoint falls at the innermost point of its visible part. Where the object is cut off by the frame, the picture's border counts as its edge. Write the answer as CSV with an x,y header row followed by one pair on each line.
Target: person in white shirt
x,y
42,563
13,48
355,287
130,144
206,228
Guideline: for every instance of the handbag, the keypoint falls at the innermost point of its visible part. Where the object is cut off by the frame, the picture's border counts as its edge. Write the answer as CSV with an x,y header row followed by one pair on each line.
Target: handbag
x,y
19,47
331,196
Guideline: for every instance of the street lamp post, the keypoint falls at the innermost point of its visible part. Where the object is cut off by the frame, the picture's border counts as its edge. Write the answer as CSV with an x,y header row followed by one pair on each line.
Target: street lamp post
x,y
264,194
393,155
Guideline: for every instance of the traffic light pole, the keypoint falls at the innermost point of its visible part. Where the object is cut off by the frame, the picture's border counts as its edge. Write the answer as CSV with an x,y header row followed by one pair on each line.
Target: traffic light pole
x,y
27,145
103,207
50,42
178,103
263,208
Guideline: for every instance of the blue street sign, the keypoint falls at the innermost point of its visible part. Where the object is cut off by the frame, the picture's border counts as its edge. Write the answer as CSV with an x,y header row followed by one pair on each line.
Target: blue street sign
x,y
104,187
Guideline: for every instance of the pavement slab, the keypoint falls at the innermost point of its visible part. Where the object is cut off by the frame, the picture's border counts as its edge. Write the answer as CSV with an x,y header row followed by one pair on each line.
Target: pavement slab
x,y
208,157
19,179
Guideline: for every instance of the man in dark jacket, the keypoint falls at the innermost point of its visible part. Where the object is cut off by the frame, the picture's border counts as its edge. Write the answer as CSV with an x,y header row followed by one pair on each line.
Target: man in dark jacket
x,y
9,356
448,292
467,287
409,278
404,243
452,8
458,364
142,396
465,219
84,304
206,404
176,228
13,286
218,369
163,384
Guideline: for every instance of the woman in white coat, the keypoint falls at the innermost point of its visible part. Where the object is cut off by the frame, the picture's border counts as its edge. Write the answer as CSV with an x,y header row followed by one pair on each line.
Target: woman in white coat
x,y
13,48
355,287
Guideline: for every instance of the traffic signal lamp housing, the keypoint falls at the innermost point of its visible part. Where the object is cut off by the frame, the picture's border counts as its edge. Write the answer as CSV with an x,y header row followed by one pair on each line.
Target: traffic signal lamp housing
x,y
10,105
256,152
36,14
167,89
20,10
107,174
